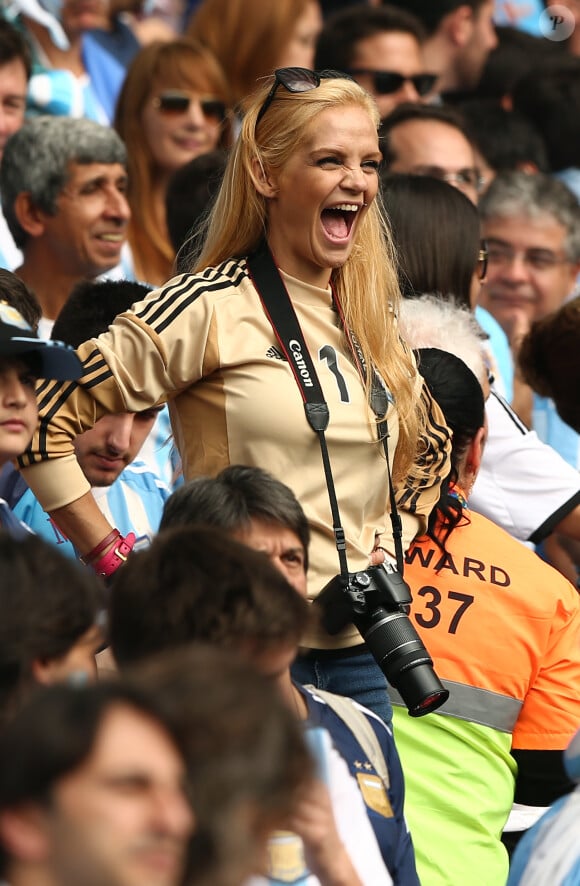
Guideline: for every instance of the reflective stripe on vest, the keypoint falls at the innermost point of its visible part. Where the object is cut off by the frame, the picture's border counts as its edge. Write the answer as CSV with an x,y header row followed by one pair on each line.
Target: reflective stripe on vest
x,y
474,705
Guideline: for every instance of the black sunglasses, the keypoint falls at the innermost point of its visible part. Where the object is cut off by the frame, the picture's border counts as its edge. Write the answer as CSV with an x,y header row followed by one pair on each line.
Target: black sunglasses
x,y
297,80
172,101
387,82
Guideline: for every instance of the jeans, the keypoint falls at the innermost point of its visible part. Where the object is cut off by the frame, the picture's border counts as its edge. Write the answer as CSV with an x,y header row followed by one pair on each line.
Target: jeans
x,y
357,676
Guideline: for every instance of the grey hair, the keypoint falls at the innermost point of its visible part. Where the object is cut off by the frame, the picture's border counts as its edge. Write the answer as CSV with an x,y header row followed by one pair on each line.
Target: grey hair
x,y
36,160
433,322
535,196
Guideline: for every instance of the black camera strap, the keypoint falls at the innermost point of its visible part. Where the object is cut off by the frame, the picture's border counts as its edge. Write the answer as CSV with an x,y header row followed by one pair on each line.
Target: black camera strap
x,y
280,312
379,401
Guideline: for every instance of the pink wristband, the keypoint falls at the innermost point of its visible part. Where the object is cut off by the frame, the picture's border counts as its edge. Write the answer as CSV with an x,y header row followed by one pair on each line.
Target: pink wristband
x,y
113,535
110,562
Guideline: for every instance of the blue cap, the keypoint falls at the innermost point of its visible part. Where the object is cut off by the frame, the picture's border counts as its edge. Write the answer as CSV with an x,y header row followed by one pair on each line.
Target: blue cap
x,y
56,360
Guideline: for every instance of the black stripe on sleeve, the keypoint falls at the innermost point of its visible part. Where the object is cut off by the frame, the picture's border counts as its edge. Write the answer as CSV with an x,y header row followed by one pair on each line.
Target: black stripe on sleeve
x,y
161,312
550,524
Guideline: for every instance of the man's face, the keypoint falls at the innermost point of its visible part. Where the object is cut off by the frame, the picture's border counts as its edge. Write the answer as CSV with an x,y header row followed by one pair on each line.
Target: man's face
x,y
112,444
528,273
430,147
13,85
282,546
471,59
391,51
122,818
90,225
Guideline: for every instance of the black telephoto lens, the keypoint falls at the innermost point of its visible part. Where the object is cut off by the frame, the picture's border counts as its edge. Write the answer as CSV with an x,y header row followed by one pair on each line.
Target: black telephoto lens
x,y
402,657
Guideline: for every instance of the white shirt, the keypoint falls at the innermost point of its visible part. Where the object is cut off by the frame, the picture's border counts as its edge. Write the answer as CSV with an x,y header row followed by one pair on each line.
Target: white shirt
x,y
523,484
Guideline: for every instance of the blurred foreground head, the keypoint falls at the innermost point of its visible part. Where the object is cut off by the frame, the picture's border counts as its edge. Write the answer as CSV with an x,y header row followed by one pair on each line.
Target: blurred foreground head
x,y
245,754
92,790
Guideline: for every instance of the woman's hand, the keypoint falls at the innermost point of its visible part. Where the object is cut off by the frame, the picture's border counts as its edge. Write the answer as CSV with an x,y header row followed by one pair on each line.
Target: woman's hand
x,y
379,554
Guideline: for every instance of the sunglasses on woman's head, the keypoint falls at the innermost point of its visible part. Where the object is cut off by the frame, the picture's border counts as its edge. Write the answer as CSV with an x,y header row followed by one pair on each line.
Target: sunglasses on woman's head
x,y
173,101
387,82
297,80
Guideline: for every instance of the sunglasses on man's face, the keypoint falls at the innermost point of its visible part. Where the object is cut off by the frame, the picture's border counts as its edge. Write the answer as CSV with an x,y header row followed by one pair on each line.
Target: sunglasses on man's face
x,y
174,102
297,80
482,260
387,82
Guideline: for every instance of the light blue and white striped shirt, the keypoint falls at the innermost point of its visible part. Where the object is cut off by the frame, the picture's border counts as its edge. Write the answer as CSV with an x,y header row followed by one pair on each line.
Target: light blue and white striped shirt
x,y
133,503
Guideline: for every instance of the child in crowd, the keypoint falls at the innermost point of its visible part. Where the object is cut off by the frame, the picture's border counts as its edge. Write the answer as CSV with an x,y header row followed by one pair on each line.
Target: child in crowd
x,y
24,358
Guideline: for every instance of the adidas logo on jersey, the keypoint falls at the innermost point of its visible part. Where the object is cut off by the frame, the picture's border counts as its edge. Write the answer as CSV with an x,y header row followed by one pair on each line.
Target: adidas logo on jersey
x,y
276,354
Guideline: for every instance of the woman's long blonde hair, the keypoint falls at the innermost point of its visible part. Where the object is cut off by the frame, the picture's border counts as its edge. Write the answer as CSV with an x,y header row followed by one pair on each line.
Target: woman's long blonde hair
x,y
366,284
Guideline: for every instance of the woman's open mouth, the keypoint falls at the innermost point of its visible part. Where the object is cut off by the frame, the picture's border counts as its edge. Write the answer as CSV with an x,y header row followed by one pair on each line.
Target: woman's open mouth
x,y
338,220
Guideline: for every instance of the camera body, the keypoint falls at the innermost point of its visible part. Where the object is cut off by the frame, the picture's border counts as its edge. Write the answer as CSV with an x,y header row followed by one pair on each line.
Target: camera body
x,y
377,601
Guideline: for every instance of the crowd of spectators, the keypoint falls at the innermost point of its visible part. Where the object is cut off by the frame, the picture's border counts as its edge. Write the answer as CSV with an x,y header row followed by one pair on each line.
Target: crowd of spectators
x,y
289,442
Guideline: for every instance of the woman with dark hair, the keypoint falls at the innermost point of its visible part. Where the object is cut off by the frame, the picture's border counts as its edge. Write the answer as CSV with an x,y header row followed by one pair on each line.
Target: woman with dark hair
x,y
503,629
460,395
426,210
436,231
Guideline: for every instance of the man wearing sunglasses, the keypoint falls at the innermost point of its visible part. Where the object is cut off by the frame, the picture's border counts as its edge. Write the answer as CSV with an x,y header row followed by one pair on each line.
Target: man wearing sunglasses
x,y
380,48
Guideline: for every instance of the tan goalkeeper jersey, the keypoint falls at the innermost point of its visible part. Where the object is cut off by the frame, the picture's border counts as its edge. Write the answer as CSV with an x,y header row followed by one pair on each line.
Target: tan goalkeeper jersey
x,y
204,343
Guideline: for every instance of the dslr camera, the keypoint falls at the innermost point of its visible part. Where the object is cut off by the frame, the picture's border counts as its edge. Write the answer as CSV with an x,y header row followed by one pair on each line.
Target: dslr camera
x,y
377,601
